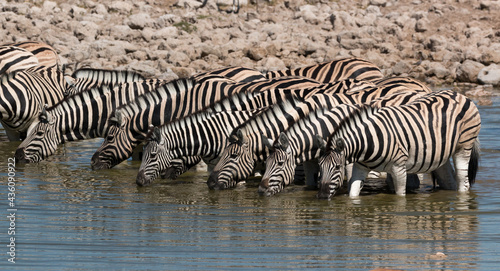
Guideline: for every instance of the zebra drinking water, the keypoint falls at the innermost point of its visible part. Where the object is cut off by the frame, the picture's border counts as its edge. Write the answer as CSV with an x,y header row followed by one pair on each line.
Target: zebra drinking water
x,y
418,137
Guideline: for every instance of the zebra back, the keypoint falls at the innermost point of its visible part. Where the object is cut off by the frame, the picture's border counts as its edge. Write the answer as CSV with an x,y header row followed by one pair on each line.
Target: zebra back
x,y
329,72
14,59
46,55
89,78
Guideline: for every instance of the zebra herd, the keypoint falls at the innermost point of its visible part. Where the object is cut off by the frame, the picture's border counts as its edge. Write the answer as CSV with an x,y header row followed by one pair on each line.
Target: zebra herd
x,y
317,125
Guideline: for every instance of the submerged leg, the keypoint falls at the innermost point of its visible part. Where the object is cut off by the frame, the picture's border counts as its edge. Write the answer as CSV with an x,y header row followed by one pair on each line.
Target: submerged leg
x,y
311,170
444,177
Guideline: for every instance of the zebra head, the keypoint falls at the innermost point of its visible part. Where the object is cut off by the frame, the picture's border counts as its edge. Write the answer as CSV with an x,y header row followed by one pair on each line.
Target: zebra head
x,y
156,158
280,166
236,163
116,146
331,165
41,140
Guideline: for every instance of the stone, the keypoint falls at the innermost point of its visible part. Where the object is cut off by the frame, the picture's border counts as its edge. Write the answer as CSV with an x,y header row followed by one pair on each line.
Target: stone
x,y
468,71
489,75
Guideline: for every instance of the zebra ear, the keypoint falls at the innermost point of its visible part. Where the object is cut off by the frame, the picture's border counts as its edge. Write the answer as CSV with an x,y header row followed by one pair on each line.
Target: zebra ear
x,y
283,141
319,143
339,145
267,142
156,135
236,137
71,82
44,116
118,118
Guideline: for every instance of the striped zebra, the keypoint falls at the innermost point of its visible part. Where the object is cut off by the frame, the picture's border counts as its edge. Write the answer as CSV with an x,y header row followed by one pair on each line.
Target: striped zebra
x,y
14,59
24,93
88,78
133,120
418,137
81,116
333,71
46,55
203,134
247,149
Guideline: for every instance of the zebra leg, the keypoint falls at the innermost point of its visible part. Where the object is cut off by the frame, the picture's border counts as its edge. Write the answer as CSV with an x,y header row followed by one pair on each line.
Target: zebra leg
x,y
461,160
357,179
348,171
444,177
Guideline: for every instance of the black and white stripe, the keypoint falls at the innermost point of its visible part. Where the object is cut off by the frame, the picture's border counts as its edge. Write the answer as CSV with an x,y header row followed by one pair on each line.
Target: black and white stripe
x,y
14,59
418,137
46,54
24,93
81,116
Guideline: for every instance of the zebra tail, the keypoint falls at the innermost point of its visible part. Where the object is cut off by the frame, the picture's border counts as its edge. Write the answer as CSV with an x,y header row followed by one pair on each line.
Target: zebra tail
x,y
474,162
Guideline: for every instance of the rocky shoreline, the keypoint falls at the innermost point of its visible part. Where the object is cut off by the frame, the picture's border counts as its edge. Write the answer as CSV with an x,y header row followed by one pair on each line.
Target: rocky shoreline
x,y
438,42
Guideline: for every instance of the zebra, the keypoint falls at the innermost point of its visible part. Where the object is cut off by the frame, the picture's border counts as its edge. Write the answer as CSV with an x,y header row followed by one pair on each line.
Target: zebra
x,y
46,55
420,136
81,116
131,121
14,59
294,146
87,78
235,73
24,93
201,134
333,71
247,149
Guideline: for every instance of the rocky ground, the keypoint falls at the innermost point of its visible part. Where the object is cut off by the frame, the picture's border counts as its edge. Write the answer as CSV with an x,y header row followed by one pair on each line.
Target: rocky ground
x,y
441,42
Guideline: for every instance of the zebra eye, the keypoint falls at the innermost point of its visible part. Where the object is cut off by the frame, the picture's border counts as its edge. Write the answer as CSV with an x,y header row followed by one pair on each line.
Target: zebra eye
x,y
39,133
281,163
337,167
110,138
233,156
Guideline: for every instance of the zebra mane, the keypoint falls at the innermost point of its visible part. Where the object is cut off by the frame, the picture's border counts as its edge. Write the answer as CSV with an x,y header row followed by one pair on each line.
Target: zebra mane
x,y
360,112
106,75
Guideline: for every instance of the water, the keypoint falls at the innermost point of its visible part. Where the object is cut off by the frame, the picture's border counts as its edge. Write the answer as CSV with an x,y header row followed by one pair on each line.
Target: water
x,y
70,217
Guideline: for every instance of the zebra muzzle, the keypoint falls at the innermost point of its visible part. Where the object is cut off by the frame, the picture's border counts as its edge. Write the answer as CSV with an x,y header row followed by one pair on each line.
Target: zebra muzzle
x,y
142,179
20,156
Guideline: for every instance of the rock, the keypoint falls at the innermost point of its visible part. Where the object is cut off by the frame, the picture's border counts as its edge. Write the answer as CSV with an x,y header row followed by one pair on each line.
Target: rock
x,y
468,71
489,75
139,21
